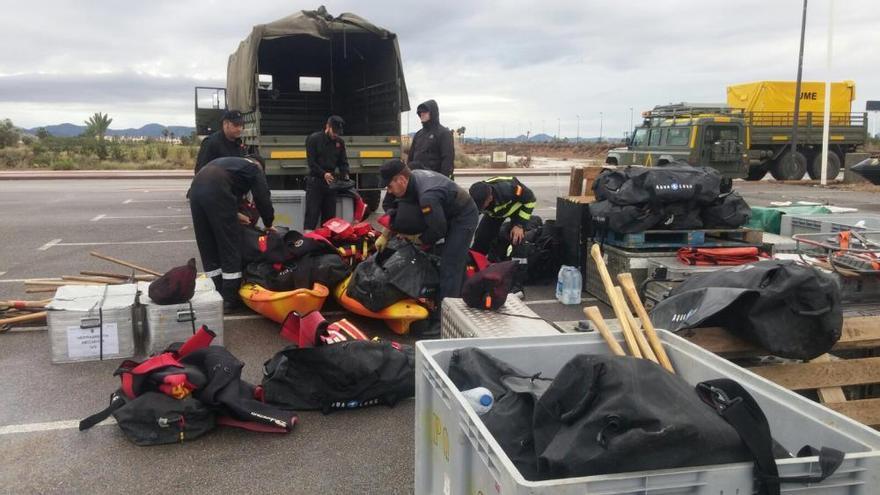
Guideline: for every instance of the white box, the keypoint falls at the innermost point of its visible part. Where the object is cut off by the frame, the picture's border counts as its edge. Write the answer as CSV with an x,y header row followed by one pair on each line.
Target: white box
x,y
345,208
166,324
92,322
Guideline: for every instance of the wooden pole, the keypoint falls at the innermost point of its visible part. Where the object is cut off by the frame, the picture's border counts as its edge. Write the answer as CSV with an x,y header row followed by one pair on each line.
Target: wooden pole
x,y
637,331
24,318
629,287
125,263
616,303
594,315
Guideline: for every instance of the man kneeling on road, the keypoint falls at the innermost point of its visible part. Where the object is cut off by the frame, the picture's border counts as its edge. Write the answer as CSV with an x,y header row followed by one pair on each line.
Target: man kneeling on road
x,y
450,219
500,198
214,200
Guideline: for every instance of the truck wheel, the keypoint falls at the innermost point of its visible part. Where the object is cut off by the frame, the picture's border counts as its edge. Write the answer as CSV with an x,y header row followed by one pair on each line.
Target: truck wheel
x,y
757,172
371,198
815,168
790,166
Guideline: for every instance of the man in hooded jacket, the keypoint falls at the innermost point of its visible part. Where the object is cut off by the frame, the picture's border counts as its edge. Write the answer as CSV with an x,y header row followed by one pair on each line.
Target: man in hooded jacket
x,y
432,147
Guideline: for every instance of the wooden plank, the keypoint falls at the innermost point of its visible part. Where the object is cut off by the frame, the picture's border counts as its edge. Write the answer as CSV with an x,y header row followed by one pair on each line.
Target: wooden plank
x,y
829,395
865,411
807,376
859,332
576,182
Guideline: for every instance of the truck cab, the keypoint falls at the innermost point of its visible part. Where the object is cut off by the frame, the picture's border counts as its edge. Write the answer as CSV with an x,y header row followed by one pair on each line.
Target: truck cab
x,y
287,77
684,133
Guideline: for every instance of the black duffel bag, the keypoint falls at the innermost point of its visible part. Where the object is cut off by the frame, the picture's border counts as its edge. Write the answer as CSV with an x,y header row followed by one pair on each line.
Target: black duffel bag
x,y
729,211
789,309
671,184
604,414
625,219
345,375
680,216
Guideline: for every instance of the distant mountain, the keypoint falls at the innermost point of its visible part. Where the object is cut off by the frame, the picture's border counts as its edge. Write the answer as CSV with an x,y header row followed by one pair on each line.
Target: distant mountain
x,y
149,130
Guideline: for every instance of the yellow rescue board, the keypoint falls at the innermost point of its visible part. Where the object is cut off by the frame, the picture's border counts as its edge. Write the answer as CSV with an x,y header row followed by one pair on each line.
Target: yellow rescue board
x,y
399,316
277,305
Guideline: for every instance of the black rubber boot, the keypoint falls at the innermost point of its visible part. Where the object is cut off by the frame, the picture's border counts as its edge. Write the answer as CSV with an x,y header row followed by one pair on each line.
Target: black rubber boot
x,y
231,299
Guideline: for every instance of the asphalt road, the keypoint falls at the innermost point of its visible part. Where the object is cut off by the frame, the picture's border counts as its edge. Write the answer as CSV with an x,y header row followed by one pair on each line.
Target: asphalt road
x,y
48,229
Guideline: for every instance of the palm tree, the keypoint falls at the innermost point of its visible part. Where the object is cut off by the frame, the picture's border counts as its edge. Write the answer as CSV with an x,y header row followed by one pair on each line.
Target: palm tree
x,y
97,125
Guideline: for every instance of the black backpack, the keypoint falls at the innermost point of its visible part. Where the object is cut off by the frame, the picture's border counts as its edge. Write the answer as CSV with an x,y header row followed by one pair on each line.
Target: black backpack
x,y
792,310
346,375
154,418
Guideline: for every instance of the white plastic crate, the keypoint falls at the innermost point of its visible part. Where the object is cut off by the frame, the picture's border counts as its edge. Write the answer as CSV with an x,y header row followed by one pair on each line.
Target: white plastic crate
x,y
92,322
345,208
455,453
458,320
166,324
814,224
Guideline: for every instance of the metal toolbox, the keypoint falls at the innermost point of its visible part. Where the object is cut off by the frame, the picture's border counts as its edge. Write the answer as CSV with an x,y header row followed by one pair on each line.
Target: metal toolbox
x,y
92,322
166,324
458,320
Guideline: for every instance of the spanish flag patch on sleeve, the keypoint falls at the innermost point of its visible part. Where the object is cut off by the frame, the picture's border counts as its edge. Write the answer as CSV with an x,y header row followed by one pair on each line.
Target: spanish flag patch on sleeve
x,y
518,191
426,209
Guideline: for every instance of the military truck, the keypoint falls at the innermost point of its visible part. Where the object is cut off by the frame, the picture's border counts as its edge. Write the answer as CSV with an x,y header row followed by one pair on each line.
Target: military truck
x,y
289,75
767,109
696,134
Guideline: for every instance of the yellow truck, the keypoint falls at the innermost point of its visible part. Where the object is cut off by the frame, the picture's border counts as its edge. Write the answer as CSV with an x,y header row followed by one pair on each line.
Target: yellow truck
x,y
767,110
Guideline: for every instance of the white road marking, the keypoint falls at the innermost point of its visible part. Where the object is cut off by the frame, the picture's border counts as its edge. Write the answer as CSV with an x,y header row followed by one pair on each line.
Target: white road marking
x,y
48,244
115,243
169,200
554,301
98,217
2,273
134,217
48,426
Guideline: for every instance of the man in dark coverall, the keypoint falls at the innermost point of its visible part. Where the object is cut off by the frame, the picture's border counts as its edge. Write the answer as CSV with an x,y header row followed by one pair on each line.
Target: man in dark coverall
x,y
432,147
326,154
450,219
224,142
214,199
500,198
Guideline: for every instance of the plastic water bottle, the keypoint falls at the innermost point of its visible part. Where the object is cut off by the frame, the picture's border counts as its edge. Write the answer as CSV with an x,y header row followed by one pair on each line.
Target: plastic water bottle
x,y
560,283
480,399
572,292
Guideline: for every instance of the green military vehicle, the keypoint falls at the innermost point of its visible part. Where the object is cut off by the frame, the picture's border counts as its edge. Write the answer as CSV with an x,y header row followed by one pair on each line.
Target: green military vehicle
x,y
289,75
696,134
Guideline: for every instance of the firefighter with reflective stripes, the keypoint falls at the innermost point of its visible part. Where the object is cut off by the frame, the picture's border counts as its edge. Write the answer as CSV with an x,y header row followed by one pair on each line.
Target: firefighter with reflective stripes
x,y
500,198
214,199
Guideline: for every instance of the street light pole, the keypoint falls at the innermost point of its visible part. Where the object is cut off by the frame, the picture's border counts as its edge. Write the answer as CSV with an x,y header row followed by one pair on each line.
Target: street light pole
x,y
630,120
601,117
558,129
578,138
797,90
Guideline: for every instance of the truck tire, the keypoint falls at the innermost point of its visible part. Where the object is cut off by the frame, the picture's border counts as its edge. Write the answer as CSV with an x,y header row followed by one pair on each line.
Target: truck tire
x,y
371,198
789,166
757,172
815,168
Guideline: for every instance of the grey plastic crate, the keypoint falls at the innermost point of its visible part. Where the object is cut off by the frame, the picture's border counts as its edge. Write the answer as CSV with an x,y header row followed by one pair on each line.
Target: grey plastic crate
x,y
455,453
458,320
814,224
166,324
620,260
290,208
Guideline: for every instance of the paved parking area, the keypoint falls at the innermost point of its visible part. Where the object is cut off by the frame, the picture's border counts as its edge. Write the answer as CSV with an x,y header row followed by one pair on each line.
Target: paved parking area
x,y
48,230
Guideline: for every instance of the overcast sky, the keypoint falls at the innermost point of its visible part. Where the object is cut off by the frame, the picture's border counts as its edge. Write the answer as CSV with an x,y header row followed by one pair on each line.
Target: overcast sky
x,y
494,66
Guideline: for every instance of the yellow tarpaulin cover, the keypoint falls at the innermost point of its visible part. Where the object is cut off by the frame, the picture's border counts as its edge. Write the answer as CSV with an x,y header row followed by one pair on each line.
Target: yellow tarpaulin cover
x,y
778,97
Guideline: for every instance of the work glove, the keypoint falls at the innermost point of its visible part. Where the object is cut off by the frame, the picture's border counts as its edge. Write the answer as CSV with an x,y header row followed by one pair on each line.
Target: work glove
x,y
382,241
